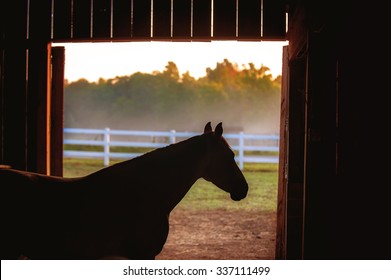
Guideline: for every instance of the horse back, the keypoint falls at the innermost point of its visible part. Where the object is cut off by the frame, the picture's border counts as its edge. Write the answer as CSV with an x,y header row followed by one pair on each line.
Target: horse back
x,y
35,207
20,188
47,217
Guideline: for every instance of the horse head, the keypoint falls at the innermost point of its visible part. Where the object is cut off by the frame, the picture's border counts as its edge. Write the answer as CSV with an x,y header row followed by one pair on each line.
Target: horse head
x,y
221,168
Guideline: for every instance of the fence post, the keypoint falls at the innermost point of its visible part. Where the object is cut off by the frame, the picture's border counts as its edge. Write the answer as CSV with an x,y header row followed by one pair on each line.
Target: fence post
x,y
241,150
172,137
106,156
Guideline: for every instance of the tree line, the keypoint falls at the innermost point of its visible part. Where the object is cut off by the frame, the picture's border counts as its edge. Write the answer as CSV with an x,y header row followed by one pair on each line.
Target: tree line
x,y
246,99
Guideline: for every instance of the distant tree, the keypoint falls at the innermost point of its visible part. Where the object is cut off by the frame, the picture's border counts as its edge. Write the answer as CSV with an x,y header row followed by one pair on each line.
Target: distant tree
x,y
166,98
171,71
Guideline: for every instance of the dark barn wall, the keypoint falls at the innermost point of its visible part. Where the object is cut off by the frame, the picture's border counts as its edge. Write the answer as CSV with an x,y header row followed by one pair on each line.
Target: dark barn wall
x,y
344,198
362,185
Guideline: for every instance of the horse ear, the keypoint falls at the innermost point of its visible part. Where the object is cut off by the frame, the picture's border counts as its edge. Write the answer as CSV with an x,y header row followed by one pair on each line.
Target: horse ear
x,y
208,128
219,130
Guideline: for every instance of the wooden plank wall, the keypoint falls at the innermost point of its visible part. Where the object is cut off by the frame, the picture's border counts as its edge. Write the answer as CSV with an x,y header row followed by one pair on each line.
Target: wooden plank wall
x,y
14,88
25,90
118,20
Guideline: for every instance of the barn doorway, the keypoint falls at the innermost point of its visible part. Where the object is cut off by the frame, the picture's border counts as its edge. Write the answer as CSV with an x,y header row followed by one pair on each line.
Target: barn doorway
x,y
215,223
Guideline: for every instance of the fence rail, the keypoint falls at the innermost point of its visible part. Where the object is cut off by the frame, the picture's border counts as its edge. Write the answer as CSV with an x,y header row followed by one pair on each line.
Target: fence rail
x,y
244,145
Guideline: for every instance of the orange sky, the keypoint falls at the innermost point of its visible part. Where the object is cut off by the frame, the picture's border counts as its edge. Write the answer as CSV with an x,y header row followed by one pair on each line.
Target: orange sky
x,y
107,60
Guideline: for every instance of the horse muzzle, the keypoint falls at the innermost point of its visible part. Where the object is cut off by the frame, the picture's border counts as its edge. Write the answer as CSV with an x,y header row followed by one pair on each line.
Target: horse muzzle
x,y
239,195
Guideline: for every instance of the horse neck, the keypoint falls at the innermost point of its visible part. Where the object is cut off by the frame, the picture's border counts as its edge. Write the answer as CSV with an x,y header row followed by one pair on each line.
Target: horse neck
x,y
183,166
167,173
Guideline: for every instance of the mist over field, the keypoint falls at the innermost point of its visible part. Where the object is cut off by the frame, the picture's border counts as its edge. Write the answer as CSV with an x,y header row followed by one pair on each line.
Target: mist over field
x,y
245,100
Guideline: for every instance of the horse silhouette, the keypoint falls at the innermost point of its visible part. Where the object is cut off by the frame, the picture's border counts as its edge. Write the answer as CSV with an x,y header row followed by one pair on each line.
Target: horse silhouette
x,y
121,211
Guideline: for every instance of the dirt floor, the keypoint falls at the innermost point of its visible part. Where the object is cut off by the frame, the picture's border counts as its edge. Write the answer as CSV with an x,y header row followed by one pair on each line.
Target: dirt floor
x,y
220,235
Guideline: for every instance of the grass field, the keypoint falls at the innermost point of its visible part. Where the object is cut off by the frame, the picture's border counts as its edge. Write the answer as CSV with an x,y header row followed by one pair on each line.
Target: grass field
x,y
261,177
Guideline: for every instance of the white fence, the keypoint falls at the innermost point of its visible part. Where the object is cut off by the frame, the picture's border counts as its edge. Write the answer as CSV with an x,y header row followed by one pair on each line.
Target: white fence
x,y
248,147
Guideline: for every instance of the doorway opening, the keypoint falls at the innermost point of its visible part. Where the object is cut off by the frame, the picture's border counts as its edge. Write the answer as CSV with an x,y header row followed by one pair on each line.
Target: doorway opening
x,y
155,87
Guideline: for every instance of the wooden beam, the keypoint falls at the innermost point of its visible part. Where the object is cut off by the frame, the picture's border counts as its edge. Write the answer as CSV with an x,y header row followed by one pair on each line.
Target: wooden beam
x,y
38,86
57,112
38,109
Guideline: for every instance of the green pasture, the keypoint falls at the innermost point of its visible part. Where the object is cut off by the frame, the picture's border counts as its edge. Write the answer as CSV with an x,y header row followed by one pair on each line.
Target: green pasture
x,y
261,177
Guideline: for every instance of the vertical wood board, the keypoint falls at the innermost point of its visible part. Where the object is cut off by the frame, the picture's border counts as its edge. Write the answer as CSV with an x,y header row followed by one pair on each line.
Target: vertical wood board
x,y
249,19
14,108
14,91
202,19
38,109
274,17
57,112
224,19
101,18
81,24
122,11
62,19
280,252
40,20
161,19
182,19
141,27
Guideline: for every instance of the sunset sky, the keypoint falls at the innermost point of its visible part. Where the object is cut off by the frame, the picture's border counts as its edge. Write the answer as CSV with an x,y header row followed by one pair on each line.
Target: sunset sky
x,y
108,60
